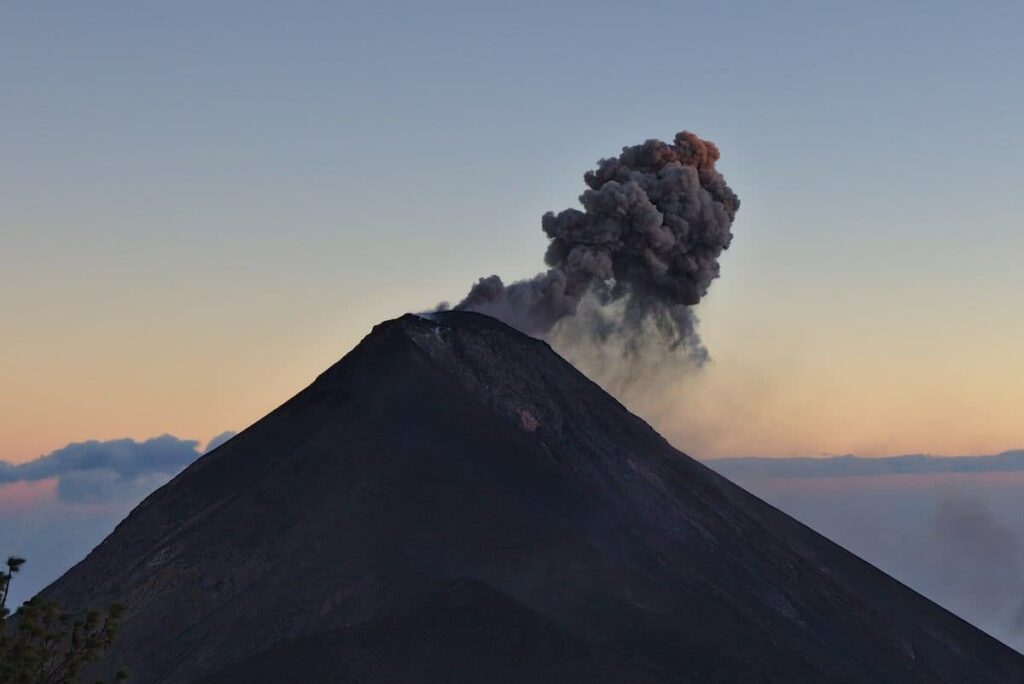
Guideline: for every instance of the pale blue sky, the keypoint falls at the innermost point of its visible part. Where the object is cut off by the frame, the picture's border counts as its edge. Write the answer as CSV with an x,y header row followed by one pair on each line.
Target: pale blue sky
x,y
205,203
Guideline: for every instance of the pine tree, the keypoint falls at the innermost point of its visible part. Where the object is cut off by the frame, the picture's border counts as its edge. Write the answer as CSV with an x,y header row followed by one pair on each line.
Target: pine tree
x,y
43,644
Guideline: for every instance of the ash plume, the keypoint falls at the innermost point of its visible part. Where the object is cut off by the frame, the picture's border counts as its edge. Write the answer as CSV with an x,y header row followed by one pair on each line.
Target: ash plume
x,y
642,251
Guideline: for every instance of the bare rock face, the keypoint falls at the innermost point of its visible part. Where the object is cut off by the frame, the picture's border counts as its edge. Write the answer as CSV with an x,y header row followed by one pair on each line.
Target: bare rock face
x,y
324,542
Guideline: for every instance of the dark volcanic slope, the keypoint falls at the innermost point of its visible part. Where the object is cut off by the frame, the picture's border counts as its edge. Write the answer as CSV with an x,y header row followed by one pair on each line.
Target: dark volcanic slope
x,y
466,633
457,448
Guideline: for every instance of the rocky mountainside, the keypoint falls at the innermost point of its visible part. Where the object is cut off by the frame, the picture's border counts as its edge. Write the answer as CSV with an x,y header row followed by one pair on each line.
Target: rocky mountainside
x,y
454,502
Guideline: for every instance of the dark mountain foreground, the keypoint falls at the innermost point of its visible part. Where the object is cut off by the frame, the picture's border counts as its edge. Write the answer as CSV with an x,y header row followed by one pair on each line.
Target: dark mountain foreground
x,y
467,632
453,502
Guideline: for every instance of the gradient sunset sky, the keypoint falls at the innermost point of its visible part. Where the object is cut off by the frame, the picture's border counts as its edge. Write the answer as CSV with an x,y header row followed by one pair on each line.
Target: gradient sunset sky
x,y
203,207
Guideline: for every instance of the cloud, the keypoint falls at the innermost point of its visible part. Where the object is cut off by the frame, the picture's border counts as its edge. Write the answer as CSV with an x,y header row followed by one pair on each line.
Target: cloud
x,y
1018,620
104,486
950,528
218,440
838,466
96,471
981,557
56,508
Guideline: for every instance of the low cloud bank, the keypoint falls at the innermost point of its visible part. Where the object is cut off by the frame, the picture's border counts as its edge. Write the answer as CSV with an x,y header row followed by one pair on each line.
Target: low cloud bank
x,y
58,507
1008,461
96,471
951,528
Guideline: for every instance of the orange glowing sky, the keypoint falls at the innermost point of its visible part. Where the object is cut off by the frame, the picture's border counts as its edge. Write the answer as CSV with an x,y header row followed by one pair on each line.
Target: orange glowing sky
x,y
785,379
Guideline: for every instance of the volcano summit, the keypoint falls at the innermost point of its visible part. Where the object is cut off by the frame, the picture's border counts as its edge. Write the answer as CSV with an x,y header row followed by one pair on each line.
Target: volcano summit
x,y
454,502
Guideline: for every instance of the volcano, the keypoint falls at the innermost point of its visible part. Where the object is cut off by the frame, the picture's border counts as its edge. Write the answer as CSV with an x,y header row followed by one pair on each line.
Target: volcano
x,y
454,502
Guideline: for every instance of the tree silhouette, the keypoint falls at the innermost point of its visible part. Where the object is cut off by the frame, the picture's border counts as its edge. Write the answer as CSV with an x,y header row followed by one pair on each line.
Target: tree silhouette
x,y
42,644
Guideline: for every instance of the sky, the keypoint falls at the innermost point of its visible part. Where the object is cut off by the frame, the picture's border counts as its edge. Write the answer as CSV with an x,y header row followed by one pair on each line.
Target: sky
x,y
205,205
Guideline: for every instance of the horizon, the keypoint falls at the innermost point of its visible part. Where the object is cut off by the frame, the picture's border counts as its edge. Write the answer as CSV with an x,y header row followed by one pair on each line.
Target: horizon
x,y
939,513
455,447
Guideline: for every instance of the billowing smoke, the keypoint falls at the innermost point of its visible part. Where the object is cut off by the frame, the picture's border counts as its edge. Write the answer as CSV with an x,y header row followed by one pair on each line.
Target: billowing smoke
x,y
642,251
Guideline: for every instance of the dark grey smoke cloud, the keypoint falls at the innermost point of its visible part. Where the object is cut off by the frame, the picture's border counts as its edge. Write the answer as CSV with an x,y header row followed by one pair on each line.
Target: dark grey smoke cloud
x,y
644,248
